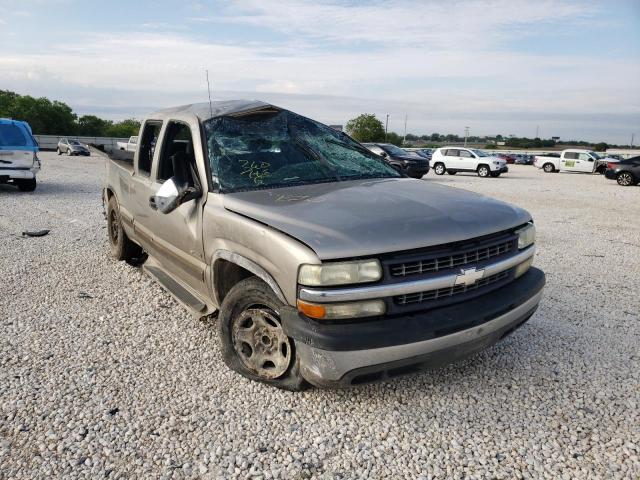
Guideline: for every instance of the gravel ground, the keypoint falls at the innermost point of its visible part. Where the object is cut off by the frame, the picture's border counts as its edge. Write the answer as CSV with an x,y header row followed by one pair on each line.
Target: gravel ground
x,y
102,374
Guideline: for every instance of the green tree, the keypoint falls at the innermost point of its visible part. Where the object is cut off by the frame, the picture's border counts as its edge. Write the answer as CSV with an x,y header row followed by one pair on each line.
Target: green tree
x,y
394,138
92,126
601,147
124,129
366,128
44,116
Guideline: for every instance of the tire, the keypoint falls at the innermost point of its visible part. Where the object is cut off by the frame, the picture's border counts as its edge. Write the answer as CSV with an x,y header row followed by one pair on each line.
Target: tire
x,y
451,173
495,174
69,152
251,337
548,168
626,179
121,247
26,185
439,169
58,151
483,171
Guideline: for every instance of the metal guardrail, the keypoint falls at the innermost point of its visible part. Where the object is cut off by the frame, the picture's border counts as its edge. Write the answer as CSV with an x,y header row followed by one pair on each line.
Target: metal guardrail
x,y
107,144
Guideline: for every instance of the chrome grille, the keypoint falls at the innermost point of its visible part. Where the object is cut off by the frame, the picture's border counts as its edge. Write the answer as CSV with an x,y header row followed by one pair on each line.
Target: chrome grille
x,y
449,291
443,262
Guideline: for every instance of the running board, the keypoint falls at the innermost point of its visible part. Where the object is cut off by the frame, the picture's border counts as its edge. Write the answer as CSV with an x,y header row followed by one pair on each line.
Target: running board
x,y
174,288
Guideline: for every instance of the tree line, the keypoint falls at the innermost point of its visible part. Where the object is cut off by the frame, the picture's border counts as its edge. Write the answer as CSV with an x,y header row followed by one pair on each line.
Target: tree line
x,y
368,128
48,117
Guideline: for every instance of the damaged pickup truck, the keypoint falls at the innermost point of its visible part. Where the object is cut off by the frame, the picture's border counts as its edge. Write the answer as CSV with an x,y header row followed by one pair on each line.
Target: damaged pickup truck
x,y
325,265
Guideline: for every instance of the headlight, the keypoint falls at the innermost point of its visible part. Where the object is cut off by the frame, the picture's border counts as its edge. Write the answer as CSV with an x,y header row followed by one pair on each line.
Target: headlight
x,y
526,236
496,163
340,273
342,311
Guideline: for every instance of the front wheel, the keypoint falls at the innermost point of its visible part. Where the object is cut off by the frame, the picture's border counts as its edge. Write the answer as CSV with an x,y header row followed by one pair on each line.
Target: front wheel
x,y
26,185
69,152
439,169
252,340
626,179
483,171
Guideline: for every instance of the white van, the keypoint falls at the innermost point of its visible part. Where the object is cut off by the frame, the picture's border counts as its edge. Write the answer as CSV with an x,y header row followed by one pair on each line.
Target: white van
x,y
461,159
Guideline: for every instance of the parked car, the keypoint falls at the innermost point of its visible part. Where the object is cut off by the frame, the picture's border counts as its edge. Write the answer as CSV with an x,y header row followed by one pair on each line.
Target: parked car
x,y
507,157
625,172
425,152
72,147
461,159
325,264
130,145
522,159
19,162
571,160
408,163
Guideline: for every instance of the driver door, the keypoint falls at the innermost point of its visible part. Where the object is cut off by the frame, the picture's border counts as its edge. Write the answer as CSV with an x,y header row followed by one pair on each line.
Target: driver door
x,y
585,163
177,235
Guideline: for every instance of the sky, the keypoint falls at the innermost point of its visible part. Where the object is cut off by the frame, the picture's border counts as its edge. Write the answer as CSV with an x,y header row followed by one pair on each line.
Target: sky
x,y
567,68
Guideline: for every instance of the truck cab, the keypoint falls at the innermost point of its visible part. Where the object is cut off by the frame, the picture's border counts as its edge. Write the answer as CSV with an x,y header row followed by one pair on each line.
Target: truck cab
x,y
322,264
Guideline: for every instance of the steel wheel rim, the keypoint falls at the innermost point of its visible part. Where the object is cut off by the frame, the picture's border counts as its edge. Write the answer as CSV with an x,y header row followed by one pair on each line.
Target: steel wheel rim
x,y
625,179
260,343
113,227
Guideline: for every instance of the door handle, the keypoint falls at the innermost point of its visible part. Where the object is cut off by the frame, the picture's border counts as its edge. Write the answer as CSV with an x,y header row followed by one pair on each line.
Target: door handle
x,y
152,203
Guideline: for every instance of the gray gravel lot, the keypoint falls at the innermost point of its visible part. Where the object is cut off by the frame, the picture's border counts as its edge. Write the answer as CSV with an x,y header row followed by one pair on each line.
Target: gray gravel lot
x,y
102,374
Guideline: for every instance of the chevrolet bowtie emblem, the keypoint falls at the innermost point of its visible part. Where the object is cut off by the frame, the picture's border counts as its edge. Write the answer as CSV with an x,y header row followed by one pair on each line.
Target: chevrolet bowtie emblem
x,y
469,276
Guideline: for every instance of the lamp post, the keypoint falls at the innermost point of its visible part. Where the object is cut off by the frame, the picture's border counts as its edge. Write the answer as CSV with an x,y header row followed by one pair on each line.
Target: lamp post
x,y
386,128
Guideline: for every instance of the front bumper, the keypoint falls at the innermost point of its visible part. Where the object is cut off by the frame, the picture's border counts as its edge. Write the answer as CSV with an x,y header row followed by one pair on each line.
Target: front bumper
x,y
416,171
342,354
504,169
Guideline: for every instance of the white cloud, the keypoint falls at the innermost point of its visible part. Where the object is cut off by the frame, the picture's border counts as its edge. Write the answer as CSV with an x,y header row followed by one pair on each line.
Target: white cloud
x,y
441,63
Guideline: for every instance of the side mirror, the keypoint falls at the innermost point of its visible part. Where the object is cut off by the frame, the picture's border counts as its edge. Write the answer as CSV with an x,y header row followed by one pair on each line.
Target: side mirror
x,y
171,195
384,155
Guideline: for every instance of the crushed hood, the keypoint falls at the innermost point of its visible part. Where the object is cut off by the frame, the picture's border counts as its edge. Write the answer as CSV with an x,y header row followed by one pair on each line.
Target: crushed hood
x,y
369,217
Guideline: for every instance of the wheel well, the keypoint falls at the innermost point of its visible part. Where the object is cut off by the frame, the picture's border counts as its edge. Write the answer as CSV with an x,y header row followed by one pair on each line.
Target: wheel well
x,y
225,275
483,165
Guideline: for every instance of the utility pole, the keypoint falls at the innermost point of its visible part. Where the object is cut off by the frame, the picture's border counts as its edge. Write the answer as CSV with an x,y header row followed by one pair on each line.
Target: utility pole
x,y
632,138
537,131
386,128
466,135
404,139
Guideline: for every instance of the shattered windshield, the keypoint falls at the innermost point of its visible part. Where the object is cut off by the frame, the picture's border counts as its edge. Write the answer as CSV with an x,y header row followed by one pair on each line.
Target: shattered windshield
x,y
280,148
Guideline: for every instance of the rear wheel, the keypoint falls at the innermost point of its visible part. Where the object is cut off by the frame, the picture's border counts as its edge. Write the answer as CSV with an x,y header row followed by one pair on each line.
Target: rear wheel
x,y
252,339
548,167
626,179
26,185
58,151
483,171
121,247
439,169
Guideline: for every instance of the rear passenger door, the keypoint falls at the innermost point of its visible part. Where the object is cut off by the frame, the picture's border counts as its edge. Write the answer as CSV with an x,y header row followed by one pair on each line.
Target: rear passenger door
x,y
450,157
178,234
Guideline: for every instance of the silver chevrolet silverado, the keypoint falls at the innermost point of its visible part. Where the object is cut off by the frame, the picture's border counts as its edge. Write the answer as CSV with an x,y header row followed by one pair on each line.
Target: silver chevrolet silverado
x,y
324,265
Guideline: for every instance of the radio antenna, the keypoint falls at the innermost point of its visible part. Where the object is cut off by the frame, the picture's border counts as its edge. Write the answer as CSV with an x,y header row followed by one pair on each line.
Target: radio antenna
x,y
209,91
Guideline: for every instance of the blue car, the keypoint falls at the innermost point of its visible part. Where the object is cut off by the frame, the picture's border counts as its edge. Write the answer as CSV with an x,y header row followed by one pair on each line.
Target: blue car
x,y
19,161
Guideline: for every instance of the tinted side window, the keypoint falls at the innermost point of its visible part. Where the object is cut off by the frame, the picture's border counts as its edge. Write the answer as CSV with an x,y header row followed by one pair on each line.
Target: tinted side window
x,y
452,153
148,146
465,154
571,156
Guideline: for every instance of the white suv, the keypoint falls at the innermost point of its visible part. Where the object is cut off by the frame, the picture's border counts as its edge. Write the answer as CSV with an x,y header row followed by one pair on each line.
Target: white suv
x,y
460,159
